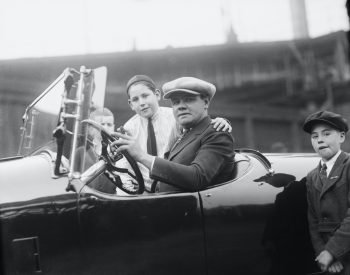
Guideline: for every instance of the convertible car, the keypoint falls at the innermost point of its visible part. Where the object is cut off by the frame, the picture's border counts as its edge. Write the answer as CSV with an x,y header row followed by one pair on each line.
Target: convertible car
x,y
53,219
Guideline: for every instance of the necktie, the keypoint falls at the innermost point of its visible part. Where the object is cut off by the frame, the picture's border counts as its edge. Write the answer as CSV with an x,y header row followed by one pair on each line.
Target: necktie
x,y
151,139
184,132
323,171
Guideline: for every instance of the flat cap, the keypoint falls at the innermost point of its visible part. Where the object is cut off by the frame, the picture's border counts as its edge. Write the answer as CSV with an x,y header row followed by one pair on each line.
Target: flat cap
x,y
140,78
332,119
190,85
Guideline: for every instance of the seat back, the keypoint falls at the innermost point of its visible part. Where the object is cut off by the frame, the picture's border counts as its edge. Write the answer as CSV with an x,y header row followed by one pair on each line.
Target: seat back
x,y
241,164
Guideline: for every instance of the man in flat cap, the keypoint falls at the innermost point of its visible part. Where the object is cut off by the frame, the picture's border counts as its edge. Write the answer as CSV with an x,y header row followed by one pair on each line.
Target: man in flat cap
x,y
154,127
328,187
201,156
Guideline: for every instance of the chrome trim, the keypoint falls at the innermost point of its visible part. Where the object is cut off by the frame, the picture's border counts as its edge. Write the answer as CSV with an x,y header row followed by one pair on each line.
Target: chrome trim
x,y
259,156
77,118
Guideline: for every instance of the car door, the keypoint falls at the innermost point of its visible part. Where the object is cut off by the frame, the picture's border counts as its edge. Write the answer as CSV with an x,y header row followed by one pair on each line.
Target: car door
x,y
257,223
145,234
235,215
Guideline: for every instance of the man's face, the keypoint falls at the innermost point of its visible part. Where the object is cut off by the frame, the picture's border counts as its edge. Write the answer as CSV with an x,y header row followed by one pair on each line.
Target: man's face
x,y
326,141
143,100
189,109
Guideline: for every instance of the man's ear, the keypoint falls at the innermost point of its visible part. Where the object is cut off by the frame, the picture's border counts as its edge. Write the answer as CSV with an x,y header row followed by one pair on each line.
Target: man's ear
x,y
158,94
342,135
206,101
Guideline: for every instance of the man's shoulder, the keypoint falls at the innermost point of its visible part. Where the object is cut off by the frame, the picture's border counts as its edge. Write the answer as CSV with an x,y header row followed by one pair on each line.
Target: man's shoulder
x,y
211,135
210,130
217,140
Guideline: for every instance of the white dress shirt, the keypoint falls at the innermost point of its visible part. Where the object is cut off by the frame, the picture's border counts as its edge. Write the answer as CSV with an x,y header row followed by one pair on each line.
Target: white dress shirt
x,y
166,132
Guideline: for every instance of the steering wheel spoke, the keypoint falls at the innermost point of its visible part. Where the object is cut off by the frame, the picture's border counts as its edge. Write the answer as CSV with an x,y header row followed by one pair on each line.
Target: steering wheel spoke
x,y
137,186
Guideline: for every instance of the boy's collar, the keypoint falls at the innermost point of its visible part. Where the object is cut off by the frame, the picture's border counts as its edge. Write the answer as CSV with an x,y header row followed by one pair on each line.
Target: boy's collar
x,y
155,115
331,160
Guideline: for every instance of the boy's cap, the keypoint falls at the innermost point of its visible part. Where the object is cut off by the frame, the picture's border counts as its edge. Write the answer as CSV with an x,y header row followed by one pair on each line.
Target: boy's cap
x,y
334,120
139,78
190,85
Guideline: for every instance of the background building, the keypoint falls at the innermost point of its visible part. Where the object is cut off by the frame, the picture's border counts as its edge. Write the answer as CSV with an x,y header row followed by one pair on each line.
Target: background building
x,y
266,89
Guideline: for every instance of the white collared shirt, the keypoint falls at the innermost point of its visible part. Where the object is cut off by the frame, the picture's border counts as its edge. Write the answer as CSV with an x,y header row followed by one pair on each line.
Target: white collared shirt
x,y
330,163
166,133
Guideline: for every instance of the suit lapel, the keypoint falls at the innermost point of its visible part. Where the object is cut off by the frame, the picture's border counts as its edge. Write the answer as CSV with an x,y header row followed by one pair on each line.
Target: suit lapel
x,y
190,137
335,174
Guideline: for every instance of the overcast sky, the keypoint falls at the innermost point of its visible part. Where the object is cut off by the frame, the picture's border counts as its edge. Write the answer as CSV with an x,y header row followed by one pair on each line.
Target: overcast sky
x,y
30,28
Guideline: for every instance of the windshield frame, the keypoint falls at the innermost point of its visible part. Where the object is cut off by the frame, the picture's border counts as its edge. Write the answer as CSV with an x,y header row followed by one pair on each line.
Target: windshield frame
x,y
26,131
62,107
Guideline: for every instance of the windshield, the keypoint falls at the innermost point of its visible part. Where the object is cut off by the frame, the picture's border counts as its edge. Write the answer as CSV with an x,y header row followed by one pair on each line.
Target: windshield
x,y
55,109
41,118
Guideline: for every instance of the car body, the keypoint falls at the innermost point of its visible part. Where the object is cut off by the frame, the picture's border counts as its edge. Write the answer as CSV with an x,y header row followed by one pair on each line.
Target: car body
x,y
54,222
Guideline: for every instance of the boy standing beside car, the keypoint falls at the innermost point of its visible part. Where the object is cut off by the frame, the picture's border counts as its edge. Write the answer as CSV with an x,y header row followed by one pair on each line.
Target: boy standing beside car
x,y
328,187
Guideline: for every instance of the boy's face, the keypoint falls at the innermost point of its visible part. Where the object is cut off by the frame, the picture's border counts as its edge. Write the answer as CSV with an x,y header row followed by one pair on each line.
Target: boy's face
x,y
106,121
143,101
326,140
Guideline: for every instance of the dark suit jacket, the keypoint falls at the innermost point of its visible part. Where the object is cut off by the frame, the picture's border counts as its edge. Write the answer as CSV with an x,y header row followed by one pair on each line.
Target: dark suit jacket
x,y
203,157
328,213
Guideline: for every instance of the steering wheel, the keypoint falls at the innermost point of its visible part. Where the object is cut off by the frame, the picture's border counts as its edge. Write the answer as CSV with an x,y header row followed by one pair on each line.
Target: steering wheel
x,y
111,158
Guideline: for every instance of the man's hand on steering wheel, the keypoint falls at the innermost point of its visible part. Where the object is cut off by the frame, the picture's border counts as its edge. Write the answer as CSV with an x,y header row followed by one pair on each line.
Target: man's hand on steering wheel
x,y
127,142
124,141
110,153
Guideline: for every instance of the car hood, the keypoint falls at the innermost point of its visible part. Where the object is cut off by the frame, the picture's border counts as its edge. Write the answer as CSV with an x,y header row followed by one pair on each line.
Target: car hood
x,y
29,178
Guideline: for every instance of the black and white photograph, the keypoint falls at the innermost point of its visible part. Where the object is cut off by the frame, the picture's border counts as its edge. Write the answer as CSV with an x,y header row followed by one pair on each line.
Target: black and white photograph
x,y
151,137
